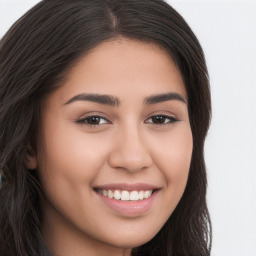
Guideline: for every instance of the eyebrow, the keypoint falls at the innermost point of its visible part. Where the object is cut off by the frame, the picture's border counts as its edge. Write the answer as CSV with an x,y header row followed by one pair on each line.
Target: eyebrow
x,y
115,102
164,97
98,98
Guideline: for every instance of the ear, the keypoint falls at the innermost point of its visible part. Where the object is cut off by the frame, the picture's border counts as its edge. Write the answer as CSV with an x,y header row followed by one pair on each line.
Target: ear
x,y
31,159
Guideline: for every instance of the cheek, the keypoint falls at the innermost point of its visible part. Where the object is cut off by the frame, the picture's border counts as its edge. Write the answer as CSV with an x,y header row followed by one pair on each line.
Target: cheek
x,y
68,162
173,158
173,154
70,153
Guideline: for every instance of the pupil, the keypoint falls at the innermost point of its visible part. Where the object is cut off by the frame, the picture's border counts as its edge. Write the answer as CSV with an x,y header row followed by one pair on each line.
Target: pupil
x,y
158,119
94,120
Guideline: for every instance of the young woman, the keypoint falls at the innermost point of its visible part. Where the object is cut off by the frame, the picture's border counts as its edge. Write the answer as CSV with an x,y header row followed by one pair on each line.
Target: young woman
x,y
104,108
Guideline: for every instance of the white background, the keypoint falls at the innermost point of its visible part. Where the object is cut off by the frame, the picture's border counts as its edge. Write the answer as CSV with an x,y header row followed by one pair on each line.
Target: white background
x,y
227,32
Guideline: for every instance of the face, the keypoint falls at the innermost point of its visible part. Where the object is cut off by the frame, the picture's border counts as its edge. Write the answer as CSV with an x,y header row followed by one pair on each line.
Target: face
x,y
114,149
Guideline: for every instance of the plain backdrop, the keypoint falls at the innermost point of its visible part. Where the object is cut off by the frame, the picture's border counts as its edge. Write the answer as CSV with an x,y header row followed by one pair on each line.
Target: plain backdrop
x,y
227,32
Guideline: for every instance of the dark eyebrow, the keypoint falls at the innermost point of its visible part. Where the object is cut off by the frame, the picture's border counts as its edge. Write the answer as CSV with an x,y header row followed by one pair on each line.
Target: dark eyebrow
x,y
114,101
98,98
164,97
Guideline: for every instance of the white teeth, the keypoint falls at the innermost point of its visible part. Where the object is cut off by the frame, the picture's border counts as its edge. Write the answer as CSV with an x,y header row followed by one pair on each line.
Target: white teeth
x,y
110,194
141,195
117,194
134,195
126,195
147,193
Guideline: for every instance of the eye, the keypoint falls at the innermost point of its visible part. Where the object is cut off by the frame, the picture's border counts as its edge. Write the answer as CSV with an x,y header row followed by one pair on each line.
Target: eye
x,y
162,120
93,120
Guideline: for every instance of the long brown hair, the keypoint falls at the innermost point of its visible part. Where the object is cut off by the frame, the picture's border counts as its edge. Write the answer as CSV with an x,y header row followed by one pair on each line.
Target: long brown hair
x,y
35,55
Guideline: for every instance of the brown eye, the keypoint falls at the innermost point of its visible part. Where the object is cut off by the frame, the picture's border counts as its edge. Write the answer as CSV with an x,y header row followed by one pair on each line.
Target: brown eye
x,y
158,119
162,119
93,120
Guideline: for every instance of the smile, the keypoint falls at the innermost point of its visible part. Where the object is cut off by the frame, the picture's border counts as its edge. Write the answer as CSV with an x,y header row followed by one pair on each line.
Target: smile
x,y
128,199
125,195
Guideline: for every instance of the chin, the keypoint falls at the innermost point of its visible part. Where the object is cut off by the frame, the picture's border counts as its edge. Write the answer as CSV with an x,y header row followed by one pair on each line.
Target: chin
x,y
131,241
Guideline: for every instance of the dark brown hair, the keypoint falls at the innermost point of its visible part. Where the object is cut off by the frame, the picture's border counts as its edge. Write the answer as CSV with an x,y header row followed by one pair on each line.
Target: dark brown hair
x,y
36,54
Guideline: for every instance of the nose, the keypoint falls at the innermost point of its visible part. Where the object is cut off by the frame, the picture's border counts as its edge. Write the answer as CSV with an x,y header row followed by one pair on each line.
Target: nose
x,y
130,151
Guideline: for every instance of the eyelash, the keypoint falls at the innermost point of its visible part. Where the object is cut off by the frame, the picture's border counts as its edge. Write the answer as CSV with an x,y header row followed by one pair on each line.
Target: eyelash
x,y
84,121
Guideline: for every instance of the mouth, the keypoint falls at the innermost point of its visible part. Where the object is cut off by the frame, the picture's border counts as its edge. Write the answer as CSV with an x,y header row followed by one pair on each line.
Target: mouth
x,y
128,199
125,195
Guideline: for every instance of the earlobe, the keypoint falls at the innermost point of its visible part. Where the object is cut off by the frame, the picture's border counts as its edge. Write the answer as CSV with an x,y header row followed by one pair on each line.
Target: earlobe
x,y
31,160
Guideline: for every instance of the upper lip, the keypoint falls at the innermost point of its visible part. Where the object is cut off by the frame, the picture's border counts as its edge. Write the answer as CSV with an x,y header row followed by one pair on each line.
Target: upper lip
x,y
127,186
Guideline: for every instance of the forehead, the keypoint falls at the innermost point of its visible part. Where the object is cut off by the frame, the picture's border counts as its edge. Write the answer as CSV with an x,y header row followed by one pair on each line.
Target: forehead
x,y
123,66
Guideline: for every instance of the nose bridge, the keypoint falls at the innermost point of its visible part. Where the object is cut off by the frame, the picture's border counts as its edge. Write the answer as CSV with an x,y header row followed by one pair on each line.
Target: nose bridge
x,y
130,149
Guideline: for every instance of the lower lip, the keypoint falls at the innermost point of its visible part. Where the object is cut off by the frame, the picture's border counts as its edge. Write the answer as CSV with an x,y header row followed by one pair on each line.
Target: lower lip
x,y
129,208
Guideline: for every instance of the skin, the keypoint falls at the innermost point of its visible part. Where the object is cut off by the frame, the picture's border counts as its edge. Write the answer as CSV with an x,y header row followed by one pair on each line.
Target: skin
x,y
127,146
